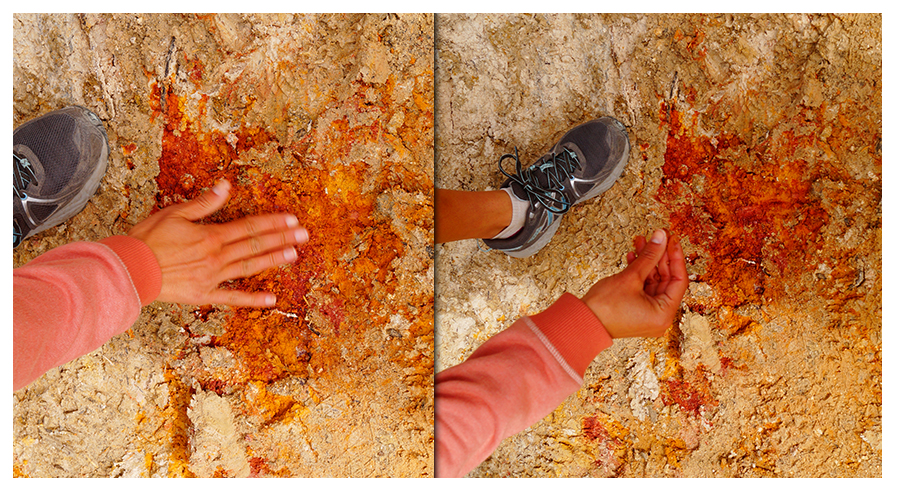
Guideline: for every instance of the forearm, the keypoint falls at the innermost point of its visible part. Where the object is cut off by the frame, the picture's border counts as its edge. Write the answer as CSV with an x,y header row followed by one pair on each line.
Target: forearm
x,y
512,381
71,300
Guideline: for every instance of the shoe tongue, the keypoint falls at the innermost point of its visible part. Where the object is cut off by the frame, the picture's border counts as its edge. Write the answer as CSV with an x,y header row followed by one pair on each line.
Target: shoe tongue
x,y
538,175
519,191
570,148
539,180
541,171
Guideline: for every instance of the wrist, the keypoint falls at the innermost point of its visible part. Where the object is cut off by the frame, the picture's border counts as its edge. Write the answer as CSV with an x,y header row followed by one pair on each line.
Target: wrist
x,y
574,331
597,300
141,264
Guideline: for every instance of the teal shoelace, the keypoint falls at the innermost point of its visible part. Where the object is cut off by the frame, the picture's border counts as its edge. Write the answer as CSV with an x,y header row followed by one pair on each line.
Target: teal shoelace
x,y
23,175
545,182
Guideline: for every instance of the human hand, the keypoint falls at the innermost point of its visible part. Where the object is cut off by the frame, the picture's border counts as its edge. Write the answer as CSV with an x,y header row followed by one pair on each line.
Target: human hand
x,y
641,301
196,258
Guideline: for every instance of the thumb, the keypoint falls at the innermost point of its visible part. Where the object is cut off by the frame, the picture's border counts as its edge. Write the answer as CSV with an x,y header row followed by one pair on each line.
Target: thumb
x,y
207,203
649,256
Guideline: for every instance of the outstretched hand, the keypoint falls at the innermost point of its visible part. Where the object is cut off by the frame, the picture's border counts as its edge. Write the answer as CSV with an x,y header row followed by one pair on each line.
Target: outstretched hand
x,y
196,258
642,300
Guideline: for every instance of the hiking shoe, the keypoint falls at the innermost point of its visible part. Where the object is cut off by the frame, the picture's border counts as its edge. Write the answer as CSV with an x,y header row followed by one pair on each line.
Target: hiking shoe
x,y
585,162
58,161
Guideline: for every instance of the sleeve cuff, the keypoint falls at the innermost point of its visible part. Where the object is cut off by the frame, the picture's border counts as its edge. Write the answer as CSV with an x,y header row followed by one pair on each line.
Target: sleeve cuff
x,y
141,265
574,331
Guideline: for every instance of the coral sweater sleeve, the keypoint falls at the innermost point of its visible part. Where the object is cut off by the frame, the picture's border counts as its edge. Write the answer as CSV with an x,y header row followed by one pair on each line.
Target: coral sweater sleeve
x,y
72,299
511,381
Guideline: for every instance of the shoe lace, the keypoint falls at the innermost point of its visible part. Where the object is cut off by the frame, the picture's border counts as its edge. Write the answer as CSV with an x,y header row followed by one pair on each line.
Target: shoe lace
x,y
23,175
545,182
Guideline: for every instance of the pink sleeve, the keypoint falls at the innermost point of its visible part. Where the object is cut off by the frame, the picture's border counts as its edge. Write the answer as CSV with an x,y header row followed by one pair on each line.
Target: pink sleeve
x,y
513,380
72,299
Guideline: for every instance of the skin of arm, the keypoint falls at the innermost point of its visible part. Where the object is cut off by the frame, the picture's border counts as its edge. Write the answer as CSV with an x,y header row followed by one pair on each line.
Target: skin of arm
x,y
195,258
523,373
73,299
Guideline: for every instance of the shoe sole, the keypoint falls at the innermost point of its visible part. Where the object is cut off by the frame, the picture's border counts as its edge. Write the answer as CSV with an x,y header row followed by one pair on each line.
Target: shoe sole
x,y
538,244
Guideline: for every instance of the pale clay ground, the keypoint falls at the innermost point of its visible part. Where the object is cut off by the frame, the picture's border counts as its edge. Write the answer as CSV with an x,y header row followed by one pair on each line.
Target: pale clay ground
x,y
805,401
367,407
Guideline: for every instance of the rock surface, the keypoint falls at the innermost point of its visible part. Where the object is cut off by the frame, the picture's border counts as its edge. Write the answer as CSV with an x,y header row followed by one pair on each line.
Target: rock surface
x,y
327,117
754,138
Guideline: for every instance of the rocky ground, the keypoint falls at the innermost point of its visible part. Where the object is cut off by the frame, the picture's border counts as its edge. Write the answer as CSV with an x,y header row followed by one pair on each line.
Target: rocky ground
x,y
757,140
327,117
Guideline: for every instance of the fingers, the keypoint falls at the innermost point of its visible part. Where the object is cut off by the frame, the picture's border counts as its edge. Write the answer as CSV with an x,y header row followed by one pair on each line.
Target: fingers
x,y
262,244
663,267
650,282
238,298
207,203
677,283
639,243
251,256
257,225
253,265
677,261
649,256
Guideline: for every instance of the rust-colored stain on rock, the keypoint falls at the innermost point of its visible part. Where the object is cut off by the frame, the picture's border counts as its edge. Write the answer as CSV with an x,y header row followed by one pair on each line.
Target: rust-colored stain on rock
x,y
756,140
341,283
329,118
747,206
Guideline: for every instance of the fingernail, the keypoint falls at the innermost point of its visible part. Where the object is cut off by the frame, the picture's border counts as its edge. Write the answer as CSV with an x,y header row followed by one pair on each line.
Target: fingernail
x,y
270,300
292,221
301,236
221,187
290,254
658,236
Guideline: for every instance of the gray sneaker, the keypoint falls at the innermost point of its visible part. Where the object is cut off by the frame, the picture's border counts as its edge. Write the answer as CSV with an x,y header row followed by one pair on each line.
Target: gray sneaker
x,y
584,163
58,161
